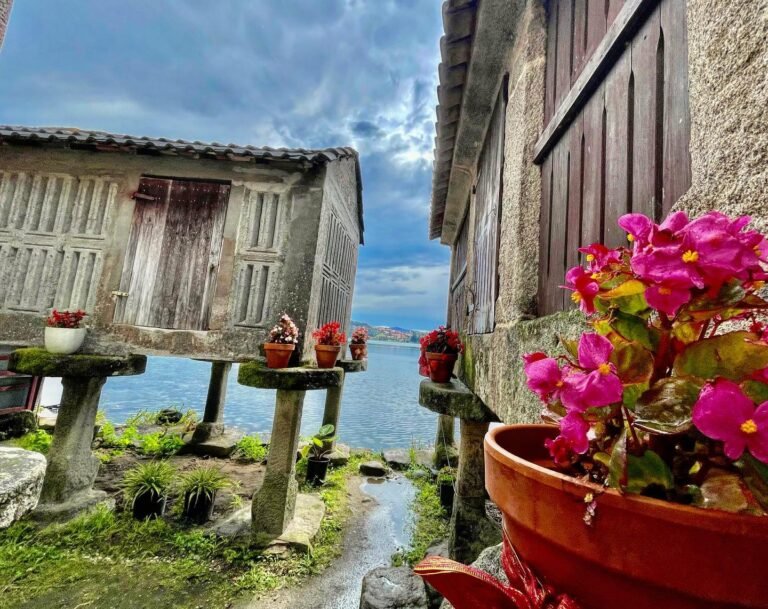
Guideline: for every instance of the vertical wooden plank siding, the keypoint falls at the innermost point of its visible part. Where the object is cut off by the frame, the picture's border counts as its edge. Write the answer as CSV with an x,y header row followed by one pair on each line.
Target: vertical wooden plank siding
x,y
487,210
627,149
457,298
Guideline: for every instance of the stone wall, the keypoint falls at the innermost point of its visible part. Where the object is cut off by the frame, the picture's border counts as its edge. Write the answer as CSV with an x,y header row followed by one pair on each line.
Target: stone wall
x,y
293,194
5,14
728,84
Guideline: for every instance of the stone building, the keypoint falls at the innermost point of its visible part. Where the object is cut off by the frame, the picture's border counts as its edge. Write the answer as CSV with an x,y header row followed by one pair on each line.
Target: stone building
x,y
173,247
554,119
5,14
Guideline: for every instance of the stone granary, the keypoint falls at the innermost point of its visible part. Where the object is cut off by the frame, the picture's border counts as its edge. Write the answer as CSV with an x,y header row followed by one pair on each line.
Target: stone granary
x,y
557,117
173,248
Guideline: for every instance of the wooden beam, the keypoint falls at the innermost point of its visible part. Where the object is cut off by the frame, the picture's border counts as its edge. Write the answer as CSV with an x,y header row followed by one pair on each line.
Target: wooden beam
x,y
619,34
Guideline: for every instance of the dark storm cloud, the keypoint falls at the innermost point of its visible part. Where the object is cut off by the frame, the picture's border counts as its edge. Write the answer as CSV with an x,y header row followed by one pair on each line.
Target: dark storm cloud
x,y
307,73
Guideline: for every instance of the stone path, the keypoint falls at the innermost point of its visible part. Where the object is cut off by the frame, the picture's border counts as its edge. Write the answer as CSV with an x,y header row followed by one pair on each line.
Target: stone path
x,y
377,529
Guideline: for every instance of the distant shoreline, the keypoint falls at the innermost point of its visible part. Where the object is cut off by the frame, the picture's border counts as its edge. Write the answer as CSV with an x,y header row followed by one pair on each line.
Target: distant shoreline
x,y
399,343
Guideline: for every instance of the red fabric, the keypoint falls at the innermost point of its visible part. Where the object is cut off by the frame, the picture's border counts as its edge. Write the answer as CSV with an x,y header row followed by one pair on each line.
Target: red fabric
x,y
470,588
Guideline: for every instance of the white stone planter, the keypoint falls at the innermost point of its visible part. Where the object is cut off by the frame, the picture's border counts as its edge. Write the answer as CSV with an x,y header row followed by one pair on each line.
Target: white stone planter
x,y
64,340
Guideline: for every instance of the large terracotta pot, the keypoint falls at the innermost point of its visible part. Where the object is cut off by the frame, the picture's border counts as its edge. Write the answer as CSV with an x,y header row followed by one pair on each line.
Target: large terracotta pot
x,y
441,366
278,354
358,351
64,341
639,553
327,355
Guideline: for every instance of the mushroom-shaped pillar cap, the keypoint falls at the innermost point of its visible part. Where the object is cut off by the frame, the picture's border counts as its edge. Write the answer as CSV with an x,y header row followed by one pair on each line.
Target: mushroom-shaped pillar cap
x,y
454,399
39,362
256,374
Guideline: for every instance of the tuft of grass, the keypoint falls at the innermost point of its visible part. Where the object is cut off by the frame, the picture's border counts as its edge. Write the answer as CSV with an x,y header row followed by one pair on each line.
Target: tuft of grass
x,y
38,441
160,444
430,521
250,450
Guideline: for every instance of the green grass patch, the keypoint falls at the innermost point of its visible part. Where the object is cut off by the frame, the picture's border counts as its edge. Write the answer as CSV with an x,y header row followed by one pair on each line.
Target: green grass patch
x,y
249,449
38,441
106,560
430,520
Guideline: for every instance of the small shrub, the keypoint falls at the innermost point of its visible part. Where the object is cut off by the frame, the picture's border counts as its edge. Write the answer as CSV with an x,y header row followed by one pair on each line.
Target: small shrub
x,y
250,450
160,444
38,441
154,477
204,481
110,439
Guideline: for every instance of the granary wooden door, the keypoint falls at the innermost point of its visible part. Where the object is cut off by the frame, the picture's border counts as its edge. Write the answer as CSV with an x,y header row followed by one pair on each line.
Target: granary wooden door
x,y
173,252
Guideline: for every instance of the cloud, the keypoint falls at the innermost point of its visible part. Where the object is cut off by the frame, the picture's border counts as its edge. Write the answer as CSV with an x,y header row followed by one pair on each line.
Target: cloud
x,y
304,73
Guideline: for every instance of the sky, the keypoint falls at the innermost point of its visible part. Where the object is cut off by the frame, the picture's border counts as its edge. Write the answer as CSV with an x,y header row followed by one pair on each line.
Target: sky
x,y
296,73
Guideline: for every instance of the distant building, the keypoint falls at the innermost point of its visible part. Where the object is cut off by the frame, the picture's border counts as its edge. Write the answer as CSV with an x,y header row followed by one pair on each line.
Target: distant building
x,y
173,247
557,117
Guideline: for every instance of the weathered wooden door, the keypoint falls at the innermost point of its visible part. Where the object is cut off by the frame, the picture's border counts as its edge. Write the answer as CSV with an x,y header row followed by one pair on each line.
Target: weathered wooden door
x,y
172,258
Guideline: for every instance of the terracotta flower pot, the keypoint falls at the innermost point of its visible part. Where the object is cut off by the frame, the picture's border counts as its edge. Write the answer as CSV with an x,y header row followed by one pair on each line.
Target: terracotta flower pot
x,y
327,355
441,366
278,354
358,351
64,341
639,553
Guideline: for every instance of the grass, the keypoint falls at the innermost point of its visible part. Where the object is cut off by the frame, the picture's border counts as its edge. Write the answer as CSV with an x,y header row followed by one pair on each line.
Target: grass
x,y
430,520
96,560
249,449
38,441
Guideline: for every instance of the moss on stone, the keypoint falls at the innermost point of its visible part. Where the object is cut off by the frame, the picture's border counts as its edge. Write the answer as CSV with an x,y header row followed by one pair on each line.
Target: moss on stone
x,y
39,362
256,374
454,400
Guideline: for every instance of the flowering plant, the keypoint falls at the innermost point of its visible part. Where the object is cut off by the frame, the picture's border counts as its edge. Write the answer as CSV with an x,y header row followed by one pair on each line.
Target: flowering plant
x,y
667,396
359,336
65,319
330,334
284,331
442,340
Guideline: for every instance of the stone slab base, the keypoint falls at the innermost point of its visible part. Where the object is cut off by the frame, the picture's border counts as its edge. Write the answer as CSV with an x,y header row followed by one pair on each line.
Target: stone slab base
x,y
221,446
340,455
21,479
79,504
400,458
393,588
298,536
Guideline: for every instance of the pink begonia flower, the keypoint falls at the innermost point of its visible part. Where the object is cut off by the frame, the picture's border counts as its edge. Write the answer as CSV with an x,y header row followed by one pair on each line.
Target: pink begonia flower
x,y
723,412
551,383
600,257
584,288
667,298
574,430
601,385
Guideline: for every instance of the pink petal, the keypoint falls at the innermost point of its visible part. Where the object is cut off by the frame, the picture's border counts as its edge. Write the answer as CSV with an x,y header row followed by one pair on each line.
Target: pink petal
x,y
674,222
666,299
574,429
719,412
637,225
601,389
594,350
543,375
758,442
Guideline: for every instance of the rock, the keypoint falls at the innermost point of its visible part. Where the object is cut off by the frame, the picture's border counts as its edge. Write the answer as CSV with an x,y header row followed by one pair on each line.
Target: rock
x,y
256,374
39,362
455,400
169,416
17,424
490,562
21,479
373,468
340,455
393,588
400,458
220,446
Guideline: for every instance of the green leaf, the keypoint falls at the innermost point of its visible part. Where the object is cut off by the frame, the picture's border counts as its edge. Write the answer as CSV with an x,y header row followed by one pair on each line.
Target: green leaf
x,y
755,391
635,329
617,465
756,477
325,430
733,356
628,288
570,345
646,471
634,363
666,407
725,490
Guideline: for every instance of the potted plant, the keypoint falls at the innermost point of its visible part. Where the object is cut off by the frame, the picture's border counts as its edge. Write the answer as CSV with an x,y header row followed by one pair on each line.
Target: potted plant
x,y
282,342
439,351
63,334
652,489
329,339
198,489
146,488
316,453
446,479
358,344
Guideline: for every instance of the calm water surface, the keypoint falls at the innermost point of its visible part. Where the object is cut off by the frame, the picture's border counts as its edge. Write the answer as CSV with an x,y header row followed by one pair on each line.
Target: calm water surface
x,y
379,410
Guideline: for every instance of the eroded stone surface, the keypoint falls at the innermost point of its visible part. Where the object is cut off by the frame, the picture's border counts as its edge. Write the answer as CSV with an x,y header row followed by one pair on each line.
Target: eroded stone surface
x,y
73,506
353,365
340,455
256,374
400,458
21,479
39,362
218,444
453,399
17,424
373,468
393,588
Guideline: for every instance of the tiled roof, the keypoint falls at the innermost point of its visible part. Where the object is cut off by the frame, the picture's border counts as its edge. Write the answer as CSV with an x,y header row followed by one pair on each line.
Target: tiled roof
x,y
455,50
103,140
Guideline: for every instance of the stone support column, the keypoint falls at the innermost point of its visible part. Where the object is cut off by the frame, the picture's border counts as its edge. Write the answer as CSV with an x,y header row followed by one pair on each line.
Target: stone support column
x,y
445,444
72,467
333,396
470,531
212,424
274,503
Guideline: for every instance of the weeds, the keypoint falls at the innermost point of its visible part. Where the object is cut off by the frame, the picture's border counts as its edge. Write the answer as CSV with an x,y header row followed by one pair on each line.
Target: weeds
x,y
250,450
38,441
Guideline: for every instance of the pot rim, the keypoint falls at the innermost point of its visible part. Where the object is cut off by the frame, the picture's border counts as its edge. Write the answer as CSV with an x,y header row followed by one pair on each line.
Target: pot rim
x,y
328,347
742,524
280,346
321,460
441,356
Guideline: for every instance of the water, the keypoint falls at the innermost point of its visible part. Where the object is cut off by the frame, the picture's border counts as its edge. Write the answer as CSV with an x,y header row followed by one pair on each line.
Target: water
x,y
379,409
